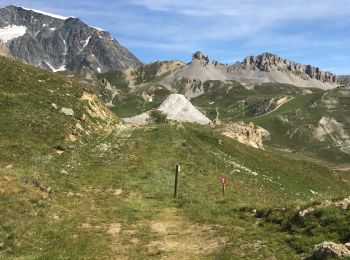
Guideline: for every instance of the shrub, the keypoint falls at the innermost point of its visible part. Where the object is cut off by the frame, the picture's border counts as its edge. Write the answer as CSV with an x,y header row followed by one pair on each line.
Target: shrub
x,y
158,116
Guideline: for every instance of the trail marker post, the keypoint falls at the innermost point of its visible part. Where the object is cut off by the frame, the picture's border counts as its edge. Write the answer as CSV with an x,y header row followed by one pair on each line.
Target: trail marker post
x,y
177,173
223,181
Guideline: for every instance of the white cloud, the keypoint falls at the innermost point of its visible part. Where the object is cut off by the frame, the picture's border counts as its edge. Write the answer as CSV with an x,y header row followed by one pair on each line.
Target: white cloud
x,y
199,20
268,9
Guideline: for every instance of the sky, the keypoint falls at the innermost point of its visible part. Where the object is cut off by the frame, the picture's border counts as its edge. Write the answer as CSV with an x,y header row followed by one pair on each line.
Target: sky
x,y
315,32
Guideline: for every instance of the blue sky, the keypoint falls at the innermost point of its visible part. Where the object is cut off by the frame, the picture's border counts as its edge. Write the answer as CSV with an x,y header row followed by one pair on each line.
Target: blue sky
x,y
313,32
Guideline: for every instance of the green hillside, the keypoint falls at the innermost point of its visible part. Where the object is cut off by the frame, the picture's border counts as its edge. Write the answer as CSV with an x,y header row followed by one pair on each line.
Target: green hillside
x,y
87,187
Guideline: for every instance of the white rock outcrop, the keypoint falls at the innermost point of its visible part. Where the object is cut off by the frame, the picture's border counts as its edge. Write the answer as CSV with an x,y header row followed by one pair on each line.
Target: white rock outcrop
x,y
177,108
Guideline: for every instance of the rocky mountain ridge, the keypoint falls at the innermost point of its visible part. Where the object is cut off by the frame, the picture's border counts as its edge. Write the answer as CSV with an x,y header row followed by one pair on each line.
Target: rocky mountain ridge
x,y
61,43
268,62
268,67
189,79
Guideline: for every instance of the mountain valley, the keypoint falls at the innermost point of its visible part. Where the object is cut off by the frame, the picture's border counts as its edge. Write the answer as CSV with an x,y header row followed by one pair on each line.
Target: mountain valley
x,y
91,138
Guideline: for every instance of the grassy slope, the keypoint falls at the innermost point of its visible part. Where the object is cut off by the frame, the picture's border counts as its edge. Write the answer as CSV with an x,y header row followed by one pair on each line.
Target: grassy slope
x,y
292,124
81,217
235,102
302,119
131,102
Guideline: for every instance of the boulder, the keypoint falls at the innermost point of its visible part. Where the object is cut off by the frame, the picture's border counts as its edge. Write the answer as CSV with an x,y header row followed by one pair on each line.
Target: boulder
x,y
347,245
67,111
246,134
330,250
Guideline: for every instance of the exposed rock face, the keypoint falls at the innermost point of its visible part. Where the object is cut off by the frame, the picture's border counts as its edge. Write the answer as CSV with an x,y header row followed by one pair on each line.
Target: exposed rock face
x,y
268,62
3,50
330,129
246,134
330,250
344,81
61,43
188,80
107,92
265,135
177,108
271,68
200,56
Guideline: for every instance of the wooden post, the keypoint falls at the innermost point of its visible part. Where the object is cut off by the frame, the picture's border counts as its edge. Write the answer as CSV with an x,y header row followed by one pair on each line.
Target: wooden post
x,y
177,173
223,181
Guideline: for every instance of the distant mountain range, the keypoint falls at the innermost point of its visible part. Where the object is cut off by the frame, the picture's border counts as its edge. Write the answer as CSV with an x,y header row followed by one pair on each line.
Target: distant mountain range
x,y
60,43
189,79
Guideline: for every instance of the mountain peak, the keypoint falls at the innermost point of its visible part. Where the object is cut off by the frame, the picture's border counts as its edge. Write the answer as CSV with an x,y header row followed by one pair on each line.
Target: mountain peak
x,y
198,55
18,8
60,43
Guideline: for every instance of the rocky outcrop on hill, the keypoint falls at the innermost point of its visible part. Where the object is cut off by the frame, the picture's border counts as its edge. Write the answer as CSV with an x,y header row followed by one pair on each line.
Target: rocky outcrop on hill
x,y
176,108
60,43
329,129
271,68
344,81
268,62
188,80
200,56
342,204
330,250
245,133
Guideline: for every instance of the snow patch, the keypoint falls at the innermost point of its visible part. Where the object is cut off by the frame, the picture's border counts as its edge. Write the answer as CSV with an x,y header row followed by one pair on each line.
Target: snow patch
x,y
11,32
86,42
100,29
62,68
99,70
48,14
52,29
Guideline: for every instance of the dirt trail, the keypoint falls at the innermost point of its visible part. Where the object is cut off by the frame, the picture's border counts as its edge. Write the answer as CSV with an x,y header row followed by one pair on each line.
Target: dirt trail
x,y
182,239
276,108
342,168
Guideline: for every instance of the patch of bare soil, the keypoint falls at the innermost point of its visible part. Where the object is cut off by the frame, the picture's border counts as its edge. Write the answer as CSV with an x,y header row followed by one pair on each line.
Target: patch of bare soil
x,y
182,239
